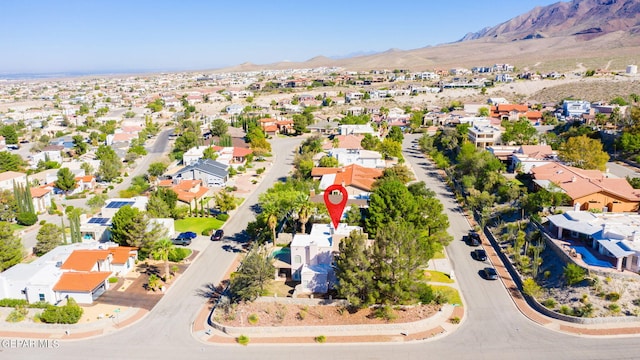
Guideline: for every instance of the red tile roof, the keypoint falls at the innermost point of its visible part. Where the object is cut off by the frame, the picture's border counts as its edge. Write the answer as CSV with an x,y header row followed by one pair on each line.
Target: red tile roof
x,y
84,260
122,253
241,152
81,281
353,175
346,142
39,192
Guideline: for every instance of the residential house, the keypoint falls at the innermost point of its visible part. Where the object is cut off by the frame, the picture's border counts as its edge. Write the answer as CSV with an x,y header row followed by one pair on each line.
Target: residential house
x,y
80,271
190,192
361,157
49,153
508,111
324,127
312,256
211,172
357,180
588,189
8,178
530,156
112,206
344,142
575,108
357,130
234,109
41,198
483,136
614,235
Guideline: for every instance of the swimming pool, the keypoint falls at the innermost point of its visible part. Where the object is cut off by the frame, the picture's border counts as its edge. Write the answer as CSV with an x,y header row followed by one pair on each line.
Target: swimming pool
x,y
589,259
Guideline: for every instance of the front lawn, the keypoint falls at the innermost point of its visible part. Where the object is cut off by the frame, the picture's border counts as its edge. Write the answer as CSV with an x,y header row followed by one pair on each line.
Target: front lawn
x,y
16,227
452,295
197,224
437,276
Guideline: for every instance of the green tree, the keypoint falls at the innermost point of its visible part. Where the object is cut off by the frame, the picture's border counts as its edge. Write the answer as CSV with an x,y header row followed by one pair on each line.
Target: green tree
x,y
97,201
519,132
483,111
8,206
157,169
398,253
10,134
390,201
370,142
354,270
253,275
353,216
312,145
11,249
157,208
129,228
48,238
88,169
183,143
110,163
11,162
219,127
79,144
584,152
66,180
328,161
395,134
225,201
390,148
160,251
398,171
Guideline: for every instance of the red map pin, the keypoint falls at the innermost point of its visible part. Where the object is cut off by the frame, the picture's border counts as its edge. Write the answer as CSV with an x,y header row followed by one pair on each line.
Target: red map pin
x,y
334,204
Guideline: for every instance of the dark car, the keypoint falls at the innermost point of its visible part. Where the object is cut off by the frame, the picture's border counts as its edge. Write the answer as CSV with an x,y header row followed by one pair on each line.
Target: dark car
x,y
474,238
218,235
490,273
479,254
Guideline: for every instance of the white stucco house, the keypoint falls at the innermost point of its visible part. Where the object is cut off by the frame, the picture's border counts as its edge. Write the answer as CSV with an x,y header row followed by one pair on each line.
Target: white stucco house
x,y
312,256
80,271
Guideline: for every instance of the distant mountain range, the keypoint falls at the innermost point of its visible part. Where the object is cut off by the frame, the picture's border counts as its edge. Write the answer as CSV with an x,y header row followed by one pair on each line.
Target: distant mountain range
x,y
579,17
562,36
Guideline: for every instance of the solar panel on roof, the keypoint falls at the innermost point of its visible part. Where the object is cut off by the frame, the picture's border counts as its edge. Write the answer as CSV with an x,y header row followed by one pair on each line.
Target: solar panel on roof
x,y
100,221
118,204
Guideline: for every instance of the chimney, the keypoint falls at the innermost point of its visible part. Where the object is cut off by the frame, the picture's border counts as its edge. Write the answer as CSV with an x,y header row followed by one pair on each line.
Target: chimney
x,y
573,179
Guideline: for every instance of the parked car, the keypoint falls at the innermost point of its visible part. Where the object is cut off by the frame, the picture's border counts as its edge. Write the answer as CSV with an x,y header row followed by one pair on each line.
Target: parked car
x,y
479,255
473,238
188,235
181,241
184,238
490,273
218,235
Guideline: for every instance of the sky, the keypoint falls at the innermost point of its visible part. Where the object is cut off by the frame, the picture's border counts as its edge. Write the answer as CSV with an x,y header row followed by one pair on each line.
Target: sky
x,y
48,36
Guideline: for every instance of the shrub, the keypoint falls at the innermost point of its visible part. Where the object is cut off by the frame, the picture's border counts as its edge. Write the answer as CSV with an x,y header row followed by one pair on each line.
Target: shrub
x,y
253,319
17,315
614,308
42,222
260,171
454,320
26,218
113,280
549,303
222,217
321,339
13,302
67,314
302,314
384,312
574,274
636,302
39,305
531,288
547,274
243,340
564,309
54,207
178,254
425,293
614,296
207,231
153,282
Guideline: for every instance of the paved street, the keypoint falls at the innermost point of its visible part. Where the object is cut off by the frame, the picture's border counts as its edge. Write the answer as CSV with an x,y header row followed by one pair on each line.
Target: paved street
x,y
493,328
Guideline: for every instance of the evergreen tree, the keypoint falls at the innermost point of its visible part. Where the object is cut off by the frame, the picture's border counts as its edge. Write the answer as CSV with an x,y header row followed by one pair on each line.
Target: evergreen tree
x,y
157,208
253,275
129,228
353,270
11,249
66,180
49,237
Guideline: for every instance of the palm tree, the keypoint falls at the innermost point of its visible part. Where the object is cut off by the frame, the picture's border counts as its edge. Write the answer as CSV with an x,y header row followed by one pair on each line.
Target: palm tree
x,y
271,215
161,250
305,210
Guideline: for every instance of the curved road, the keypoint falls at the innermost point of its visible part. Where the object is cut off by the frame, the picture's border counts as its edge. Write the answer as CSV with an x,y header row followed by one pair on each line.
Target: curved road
x,y
492,329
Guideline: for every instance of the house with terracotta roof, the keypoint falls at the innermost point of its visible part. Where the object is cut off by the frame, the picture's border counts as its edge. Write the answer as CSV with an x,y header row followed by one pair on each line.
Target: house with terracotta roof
x,y
41,197
86,182
189,192
79,270
358,180
268,125
588,189
231,155
508,111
